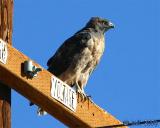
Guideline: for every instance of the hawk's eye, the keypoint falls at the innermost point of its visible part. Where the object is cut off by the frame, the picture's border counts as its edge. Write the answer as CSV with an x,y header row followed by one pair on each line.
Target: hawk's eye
x,y
104,22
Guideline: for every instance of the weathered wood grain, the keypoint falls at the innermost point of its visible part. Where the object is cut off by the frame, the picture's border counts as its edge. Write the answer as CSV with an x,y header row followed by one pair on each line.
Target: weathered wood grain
x,y
6,11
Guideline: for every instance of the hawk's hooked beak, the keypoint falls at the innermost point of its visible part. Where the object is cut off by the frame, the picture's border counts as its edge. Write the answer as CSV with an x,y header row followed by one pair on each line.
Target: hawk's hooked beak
x,y
111,25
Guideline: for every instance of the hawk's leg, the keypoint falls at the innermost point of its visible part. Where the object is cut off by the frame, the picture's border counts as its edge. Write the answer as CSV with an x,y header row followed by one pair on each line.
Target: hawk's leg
x,y
86,96
81,92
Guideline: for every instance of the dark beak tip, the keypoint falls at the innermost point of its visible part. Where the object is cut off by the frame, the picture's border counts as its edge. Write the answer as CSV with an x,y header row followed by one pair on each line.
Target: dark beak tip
x,y
113,26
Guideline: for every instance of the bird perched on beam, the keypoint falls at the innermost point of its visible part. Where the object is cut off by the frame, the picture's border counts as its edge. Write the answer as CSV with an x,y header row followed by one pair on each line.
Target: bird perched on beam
x,y
79,55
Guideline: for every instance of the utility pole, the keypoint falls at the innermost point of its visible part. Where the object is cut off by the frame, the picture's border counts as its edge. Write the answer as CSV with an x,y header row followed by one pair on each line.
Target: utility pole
x,y
6,13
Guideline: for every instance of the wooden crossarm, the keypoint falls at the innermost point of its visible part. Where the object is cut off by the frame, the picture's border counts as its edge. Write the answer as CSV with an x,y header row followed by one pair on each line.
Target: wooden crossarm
x,y
37,90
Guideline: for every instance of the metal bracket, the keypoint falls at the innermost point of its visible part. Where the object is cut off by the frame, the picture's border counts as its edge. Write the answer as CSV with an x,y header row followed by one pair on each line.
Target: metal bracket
x,y
30,70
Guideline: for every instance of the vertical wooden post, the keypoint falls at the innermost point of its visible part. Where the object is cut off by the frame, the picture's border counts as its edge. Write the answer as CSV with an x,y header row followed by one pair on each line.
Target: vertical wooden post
x,y
6,12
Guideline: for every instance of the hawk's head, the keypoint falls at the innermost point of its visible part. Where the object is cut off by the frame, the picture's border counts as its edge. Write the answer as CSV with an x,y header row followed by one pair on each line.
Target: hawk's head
x,y
100,24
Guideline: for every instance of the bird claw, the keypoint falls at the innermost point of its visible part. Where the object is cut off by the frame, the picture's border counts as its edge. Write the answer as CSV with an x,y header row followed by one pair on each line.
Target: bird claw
x,y
83,96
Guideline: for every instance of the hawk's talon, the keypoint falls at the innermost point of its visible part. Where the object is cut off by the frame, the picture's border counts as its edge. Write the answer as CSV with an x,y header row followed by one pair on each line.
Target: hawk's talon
x,y
83,96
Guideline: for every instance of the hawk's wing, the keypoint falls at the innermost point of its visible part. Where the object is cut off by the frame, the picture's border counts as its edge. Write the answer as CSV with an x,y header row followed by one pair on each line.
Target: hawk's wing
x,y
64,56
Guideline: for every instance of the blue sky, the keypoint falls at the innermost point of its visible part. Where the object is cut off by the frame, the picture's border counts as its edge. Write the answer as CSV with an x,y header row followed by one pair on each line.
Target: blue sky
x,y
126,83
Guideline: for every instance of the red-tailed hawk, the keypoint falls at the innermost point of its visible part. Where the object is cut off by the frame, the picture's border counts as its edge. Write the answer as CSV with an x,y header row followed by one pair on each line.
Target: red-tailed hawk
x,y
78,56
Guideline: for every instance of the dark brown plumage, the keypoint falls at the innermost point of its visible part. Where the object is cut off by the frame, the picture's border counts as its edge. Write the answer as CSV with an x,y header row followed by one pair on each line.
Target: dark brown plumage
x,y
78,56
